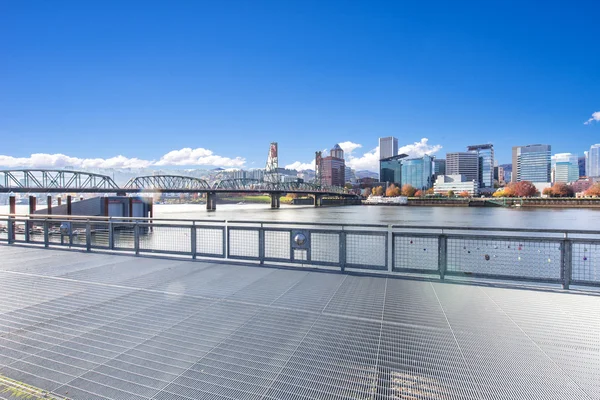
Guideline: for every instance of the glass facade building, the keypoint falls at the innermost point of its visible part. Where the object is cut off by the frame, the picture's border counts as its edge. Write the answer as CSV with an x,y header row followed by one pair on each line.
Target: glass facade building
x,y
390,169
565,167
485,173
533,163
418,172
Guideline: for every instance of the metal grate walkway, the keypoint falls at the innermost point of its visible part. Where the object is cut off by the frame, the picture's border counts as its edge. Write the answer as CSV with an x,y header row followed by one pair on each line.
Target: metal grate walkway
x,y
99,326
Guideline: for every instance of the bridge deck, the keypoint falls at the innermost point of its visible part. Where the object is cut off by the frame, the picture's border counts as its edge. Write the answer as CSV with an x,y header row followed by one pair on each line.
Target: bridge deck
x,y
99,326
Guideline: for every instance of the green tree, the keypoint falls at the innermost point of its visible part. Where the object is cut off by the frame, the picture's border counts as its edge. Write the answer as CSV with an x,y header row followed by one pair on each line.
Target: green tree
x,y
450,193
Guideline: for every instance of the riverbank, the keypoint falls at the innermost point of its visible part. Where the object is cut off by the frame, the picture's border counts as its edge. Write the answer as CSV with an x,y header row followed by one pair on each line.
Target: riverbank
x,y
535,202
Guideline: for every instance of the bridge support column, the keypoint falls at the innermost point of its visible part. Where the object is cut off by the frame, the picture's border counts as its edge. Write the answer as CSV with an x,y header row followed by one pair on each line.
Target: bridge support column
x,y
211,201
69,209
318,200
59,200
275,200
49,204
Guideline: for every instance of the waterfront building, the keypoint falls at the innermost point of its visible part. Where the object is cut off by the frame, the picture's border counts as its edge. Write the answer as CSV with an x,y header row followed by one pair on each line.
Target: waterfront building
x,y
593,169
439,167
485,167
333,167
565,168
463,163
417,172
456,183
388,147
390,169
532,163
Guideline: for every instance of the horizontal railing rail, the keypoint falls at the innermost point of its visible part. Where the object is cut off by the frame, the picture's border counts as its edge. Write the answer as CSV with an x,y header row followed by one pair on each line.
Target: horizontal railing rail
x,y
551,256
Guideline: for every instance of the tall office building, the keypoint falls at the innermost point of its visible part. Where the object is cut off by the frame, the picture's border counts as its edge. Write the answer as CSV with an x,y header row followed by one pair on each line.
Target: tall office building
x,y
439,166
485,152
390,169
565,167
333,168
586,170
532,163
418,172
388,147
594,161
463,163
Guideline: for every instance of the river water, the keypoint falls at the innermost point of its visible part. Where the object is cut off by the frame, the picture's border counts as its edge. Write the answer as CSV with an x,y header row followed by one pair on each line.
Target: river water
x,y
534,218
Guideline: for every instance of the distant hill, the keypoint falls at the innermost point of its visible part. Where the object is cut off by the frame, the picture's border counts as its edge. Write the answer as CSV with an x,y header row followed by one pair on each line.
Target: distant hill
x,y
366,174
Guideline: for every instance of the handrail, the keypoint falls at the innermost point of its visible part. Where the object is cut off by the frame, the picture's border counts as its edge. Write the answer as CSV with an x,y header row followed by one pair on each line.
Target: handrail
x,y
299,223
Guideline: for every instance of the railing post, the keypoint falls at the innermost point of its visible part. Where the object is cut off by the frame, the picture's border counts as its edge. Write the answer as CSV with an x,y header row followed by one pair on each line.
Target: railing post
x,y
46,233
442,255
342,255
193,239
226,241
136,238
26,225
566,256
88,236
10,229
261,244
389,247
111,235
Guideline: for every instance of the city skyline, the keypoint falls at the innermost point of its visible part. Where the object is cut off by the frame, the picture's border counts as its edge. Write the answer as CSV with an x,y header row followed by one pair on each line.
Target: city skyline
x,y
208,84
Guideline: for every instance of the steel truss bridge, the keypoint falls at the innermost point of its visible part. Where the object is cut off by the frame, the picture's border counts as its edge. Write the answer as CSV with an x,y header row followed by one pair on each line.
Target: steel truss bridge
x,y
63,181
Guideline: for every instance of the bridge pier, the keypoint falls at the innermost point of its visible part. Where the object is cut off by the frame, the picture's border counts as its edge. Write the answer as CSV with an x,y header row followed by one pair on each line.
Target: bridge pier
x,y
59,200
318,200
69,200
32,208
211,201
49,204
275,200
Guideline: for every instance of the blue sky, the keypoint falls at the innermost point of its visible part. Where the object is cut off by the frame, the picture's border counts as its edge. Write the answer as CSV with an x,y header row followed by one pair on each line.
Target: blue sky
x,y
93,80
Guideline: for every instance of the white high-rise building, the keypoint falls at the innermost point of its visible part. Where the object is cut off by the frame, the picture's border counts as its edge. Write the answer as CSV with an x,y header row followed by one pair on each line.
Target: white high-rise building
x,y
388,147
593,163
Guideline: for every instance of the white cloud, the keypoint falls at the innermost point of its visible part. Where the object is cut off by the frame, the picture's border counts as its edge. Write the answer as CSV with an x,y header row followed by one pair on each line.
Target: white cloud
x,y
368,161
595,118
199,156
41,160
419,149
349,147
300,166
181,157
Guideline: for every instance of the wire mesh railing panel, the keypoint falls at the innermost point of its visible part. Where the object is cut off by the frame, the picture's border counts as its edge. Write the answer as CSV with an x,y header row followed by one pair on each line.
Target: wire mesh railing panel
x,y
123,236
366,250
325,247
585,265
518,258
36,232
164,239
209,241
100,235
416,252
19,230
243,243
277,244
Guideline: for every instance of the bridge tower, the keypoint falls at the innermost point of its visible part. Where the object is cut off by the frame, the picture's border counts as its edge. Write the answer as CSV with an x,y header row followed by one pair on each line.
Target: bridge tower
x,y
272,167
318,169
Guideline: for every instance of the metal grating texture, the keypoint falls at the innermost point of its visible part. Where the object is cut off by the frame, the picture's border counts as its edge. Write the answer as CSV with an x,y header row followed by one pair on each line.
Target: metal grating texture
x,y
277,245
517,258
164,238
586,262
415,253
325,247
209,241
100,326
366,250
243,243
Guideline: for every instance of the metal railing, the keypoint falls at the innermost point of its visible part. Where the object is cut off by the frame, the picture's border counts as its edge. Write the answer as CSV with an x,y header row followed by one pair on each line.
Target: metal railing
x,y
563,257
